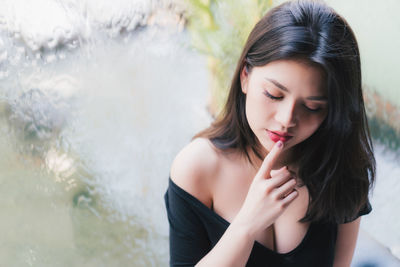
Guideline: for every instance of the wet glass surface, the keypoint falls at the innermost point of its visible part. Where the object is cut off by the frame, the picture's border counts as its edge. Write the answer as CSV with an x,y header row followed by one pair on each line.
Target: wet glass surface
x,y
95,101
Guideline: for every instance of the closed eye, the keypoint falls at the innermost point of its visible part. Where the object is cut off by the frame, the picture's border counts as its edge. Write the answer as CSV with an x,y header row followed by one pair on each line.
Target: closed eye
x,y
271,96
312,109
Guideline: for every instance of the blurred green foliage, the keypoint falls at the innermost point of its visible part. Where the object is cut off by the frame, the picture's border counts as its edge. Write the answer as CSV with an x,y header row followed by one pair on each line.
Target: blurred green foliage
x,y
384,133
219,29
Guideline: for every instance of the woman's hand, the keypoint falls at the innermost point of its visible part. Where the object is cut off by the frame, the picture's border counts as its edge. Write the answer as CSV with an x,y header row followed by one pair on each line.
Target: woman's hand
x,y
269,194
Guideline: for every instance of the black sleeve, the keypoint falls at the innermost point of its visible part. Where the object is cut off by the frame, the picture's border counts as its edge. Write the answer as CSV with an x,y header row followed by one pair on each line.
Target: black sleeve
x,y
366,210
188,238
363,211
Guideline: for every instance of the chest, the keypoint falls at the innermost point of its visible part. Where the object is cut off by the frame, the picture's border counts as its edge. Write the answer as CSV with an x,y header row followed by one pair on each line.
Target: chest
x,y
285,234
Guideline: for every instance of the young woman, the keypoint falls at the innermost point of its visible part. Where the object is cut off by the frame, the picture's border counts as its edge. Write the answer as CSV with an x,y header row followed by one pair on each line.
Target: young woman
x,y
282,176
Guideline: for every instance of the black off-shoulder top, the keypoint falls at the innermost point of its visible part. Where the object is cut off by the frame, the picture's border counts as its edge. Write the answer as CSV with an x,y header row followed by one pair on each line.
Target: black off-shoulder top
x,y
195,229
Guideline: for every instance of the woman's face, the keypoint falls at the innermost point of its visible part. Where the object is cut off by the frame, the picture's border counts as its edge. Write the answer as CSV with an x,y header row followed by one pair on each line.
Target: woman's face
x,y
285,100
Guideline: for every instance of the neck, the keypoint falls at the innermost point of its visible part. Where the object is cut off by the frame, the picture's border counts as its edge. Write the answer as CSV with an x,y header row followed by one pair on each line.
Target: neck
x,y
283,159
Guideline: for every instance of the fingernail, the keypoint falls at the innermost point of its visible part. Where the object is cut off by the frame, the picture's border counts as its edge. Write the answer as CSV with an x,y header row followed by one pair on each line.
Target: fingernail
x,y
279,144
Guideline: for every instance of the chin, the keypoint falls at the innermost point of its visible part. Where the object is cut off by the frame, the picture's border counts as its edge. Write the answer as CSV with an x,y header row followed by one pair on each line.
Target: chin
x,y
267,145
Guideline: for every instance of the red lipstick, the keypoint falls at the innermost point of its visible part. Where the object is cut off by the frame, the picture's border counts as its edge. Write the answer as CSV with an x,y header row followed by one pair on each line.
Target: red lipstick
x,y
279,136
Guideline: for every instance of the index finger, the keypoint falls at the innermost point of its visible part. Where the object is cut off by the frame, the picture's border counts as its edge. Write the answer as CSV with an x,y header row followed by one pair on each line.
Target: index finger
x,y
270,159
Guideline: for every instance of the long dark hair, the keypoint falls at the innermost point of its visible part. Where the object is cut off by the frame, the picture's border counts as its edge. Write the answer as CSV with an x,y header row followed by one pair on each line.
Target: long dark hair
x,y
336,163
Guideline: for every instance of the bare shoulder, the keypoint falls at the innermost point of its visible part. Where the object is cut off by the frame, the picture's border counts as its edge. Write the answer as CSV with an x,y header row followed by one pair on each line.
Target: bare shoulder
x,y
195,167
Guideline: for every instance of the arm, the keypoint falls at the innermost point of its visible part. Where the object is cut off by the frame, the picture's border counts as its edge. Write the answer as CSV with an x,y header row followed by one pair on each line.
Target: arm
x,y
233,249
346,243
189,244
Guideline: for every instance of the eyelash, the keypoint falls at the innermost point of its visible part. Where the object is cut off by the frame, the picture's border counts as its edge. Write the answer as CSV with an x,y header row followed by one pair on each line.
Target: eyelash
x,y
271,96
275,98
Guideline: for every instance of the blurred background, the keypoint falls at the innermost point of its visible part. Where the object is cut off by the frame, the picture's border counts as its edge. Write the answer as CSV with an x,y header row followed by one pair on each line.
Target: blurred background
x,y
98,96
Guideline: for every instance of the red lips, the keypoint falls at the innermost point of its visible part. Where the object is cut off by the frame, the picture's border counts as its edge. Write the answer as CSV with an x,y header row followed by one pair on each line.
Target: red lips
x,y
279,136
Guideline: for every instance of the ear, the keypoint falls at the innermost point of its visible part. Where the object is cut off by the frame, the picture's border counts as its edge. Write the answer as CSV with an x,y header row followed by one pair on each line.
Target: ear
x,y
244,78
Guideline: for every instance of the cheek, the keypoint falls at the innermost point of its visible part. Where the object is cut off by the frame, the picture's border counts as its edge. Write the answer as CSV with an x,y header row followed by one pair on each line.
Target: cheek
x,y
313,123
256,108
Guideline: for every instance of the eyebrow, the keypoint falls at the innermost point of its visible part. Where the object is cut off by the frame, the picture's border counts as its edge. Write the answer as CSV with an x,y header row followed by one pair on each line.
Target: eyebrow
x,y
283,88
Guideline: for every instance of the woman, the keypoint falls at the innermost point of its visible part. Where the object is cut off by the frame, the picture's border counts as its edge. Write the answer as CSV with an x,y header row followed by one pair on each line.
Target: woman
x,y
282,176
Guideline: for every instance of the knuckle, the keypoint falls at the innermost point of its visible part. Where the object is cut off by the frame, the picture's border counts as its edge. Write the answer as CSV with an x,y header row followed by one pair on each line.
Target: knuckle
x,y
275,196
292,182
267,187
281,205
282,170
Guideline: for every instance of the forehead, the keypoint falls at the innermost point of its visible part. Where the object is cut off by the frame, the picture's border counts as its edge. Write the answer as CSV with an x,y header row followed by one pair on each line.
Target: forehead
x,y
295,75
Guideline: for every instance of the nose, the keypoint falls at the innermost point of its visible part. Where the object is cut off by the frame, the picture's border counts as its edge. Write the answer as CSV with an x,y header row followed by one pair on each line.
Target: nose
x,y
285,114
